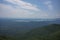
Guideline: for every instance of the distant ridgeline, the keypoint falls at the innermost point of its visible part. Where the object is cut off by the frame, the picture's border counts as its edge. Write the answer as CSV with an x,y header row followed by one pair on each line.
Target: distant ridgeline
x,y
49,32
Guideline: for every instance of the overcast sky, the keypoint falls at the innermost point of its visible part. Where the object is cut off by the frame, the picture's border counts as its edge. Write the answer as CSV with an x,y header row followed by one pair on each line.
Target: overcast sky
x,y
29,9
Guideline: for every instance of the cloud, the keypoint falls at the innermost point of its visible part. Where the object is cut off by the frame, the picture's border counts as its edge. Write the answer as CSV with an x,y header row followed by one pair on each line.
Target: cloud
x,y
49,4
8,11
24,5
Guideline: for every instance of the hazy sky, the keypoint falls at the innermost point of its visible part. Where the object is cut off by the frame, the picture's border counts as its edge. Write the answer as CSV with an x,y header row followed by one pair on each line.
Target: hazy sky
x,y
29,9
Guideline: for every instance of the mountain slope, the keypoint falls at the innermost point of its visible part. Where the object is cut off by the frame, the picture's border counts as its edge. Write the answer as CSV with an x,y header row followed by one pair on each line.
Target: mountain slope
x,y
50,32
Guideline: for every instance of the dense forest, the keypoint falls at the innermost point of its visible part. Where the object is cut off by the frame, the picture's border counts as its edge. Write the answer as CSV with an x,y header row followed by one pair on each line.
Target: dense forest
x,y
49,32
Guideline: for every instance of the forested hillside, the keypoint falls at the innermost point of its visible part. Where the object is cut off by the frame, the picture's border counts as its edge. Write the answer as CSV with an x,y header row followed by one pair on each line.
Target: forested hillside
x,y
49,32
